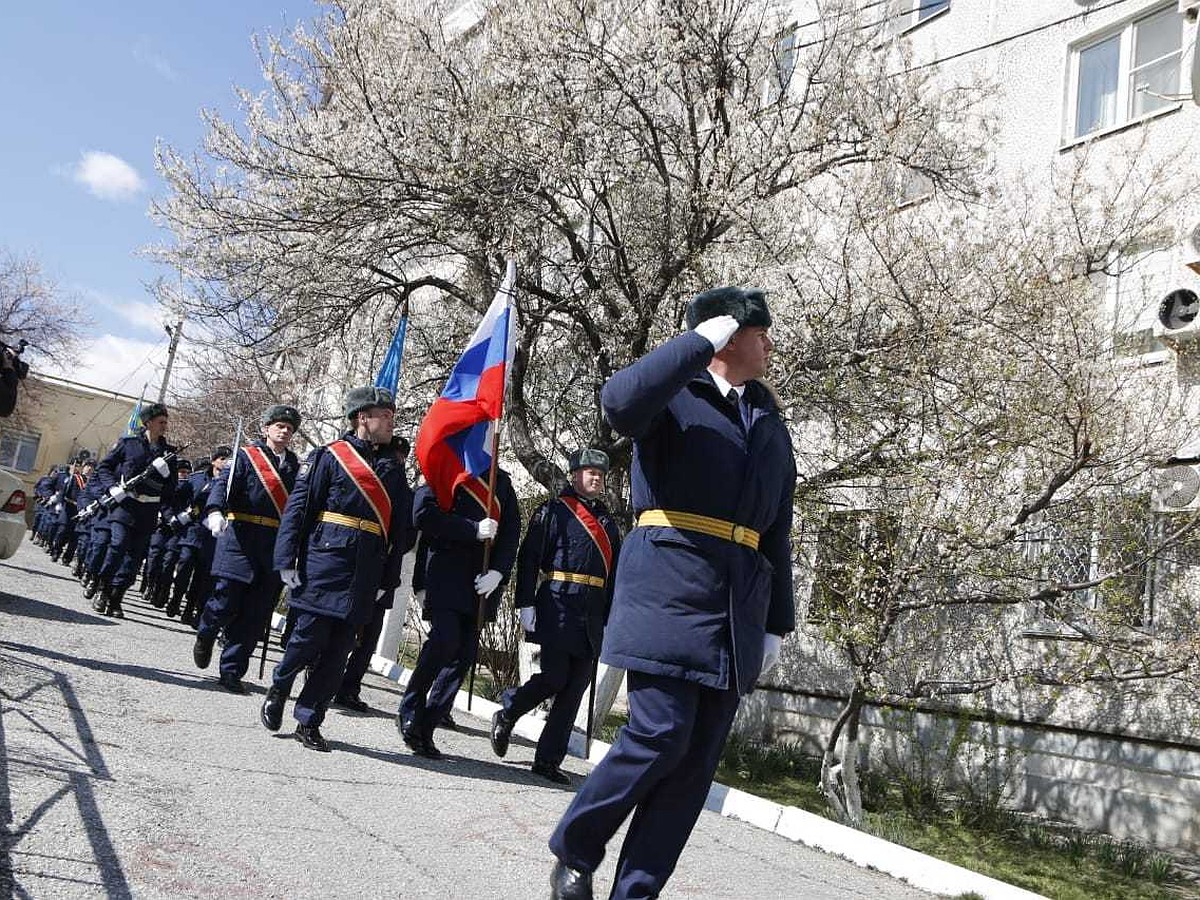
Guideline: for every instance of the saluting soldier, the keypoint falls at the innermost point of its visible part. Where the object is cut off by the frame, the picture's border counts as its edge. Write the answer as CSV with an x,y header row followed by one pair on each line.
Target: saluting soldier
x,y
454,587
564,588
703,590
243,513
133,519
344,532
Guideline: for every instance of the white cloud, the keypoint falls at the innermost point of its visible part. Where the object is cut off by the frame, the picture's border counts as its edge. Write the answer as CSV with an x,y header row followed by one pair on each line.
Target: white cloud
x,y
118,363
107,176
145,54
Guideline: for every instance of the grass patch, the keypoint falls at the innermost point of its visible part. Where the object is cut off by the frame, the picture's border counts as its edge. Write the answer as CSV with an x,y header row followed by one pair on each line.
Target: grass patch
x,y
1061,863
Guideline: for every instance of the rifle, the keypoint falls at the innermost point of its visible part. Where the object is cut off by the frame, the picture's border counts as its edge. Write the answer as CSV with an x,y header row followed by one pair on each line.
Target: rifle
x,y
587,743
105,502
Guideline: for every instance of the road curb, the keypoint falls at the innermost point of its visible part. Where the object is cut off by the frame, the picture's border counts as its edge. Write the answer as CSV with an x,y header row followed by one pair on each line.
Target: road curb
x,y
796,825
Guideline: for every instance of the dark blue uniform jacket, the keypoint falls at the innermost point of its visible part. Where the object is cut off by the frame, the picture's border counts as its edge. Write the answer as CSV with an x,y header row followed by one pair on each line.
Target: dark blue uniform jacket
x,y
245,550
71,494
342,567
570,615
196,489
129,457
688,605
455,557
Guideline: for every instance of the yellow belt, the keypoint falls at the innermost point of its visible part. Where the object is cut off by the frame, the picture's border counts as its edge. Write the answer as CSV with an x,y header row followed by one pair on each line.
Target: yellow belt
x,y
686,521
351,522
576,578
253,520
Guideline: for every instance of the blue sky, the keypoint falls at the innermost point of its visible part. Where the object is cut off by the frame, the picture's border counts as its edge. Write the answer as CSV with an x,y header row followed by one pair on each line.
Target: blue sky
x,y
89,88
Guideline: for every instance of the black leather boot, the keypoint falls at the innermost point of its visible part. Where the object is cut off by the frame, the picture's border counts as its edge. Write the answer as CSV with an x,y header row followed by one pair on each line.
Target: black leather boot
x,y
502,727
310,736
569,884
271,714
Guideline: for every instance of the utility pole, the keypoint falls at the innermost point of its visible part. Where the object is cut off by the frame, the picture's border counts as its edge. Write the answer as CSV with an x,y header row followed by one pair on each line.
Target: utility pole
x,y
176,333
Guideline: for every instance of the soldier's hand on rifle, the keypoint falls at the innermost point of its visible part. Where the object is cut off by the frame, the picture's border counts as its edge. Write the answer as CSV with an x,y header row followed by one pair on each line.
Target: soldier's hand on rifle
x,y
161,466
54,498
184,518
489,580
771,645
58,507
528,617
118,493
216,523
486,529
718,330
290,577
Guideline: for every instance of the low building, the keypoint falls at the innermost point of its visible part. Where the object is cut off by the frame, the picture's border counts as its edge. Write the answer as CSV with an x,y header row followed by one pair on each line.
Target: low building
x,y
54,420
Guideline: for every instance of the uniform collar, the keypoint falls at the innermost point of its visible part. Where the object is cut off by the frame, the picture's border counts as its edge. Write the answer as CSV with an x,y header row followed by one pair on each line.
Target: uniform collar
x,y
724,386
366,448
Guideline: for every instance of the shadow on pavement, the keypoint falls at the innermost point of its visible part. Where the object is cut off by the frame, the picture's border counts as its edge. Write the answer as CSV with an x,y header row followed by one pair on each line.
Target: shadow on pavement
x,y
129,669
461,766
77,786
62,577
39,609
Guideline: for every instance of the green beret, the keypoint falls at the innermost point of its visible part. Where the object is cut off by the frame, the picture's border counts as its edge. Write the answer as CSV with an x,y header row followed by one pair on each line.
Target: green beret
x,y
747,305
588,458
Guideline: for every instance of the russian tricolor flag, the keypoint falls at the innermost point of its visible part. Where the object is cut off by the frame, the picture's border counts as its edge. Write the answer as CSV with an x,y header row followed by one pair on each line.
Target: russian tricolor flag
x,y
455,439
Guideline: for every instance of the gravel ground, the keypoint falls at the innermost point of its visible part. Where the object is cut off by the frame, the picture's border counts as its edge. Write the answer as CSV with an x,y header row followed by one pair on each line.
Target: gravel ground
x,y
125,772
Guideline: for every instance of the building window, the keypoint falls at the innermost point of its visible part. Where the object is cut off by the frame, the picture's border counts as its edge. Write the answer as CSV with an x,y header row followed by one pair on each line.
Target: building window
x,y
18,450
908,14
784,53
1127,73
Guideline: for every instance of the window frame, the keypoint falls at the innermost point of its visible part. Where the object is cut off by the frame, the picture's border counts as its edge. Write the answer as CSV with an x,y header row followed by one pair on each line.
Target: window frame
x,y
1125,30
907,14
18,438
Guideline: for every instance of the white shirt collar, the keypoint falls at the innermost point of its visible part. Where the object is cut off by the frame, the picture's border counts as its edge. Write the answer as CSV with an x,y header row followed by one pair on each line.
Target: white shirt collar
x,y
723,386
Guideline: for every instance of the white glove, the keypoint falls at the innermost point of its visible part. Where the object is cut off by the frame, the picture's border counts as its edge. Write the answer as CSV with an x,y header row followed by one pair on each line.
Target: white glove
x,y
58,508
184,517
771,645
216,522
486,529
162,467
290,577
488,581
528,617
54,498
118,493
717,330
379,593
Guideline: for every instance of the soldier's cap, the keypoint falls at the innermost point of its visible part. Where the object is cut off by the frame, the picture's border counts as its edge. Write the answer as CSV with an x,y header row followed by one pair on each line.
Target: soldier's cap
x,y
184,464
281,412
221,451
369,397
747,305
153,411
82,456
588,458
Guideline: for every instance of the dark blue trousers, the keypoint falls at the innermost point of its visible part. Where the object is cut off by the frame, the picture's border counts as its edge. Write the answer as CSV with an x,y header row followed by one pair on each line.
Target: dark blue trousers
x,y
324,643
660,769
126,548
441,666
97,547
243,610
563,677
360,659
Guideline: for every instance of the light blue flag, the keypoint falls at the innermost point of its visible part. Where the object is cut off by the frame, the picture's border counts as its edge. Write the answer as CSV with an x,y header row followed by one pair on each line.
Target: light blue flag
x,y
389,372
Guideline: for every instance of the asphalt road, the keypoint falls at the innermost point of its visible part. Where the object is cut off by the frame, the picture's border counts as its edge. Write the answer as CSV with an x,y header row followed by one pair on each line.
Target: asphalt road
x,y
125,772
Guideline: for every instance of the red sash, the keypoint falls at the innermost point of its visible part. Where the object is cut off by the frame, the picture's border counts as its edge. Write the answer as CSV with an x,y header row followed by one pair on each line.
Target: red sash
x,y
477,488
80,481
269,477
366,481
593,527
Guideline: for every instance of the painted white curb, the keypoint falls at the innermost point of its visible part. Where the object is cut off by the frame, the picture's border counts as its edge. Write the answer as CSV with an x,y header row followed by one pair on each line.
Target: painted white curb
x,y
794,824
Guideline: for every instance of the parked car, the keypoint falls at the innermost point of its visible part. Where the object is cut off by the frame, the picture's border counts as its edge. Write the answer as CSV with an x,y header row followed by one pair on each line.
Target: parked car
x,y
12,514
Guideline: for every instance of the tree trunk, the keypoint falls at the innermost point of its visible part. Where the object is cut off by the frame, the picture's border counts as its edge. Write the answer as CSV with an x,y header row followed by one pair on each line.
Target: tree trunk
x,y
839,772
